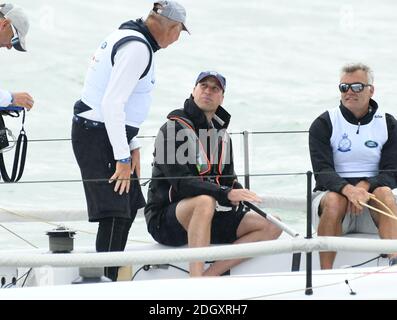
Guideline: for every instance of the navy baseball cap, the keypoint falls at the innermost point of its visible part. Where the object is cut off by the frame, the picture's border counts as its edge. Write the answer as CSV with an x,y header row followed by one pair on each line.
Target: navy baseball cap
x,y
205,74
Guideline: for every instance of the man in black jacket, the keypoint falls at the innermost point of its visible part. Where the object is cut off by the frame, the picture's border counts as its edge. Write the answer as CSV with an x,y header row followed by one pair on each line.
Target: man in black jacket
x,y
193,172
353,151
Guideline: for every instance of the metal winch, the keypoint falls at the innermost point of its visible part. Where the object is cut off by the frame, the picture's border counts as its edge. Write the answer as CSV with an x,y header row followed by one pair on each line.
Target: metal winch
x,y
61,240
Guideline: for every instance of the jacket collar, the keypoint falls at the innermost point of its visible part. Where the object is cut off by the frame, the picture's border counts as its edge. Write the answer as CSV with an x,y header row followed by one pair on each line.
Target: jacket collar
x,y
198,118
349,116
140,26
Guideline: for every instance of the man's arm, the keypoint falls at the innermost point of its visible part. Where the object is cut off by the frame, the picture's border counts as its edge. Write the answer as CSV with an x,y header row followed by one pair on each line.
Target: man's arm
x,y
5,98
321,155
20,99
388,160
131,61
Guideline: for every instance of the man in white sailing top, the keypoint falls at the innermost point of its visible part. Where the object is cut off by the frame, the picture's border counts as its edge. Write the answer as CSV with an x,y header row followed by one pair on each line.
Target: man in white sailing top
x,y
353,151
115,101
14,26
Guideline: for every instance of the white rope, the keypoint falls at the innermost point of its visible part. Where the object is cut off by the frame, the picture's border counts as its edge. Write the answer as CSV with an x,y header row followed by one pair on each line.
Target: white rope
x,y
162,256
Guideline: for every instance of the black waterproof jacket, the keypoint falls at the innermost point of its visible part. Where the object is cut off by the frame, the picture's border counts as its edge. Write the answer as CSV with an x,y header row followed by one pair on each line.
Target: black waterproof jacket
x,y
174,182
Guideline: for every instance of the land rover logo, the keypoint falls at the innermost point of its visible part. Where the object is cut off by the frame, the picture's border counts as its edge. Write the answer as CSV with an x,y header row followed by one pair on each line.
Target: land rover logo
x,y
371,144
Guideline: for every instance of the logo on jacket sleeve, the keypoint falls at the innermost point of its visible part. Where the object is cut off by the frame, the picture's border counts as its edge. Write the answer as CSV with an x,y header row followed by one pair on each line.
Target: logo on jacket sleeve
x,y
344,144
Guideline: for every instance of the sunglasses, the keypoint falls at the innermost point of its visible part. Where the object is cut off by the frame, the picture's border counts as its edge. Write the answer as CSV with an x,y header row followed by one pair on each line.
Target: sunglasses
x,y
356,87
15,42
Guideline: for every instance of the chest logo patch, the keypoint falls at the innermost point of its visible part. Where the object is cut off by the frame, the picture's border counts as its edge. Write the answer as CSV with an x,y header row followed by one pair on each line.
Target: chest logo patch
x,y
344,144
371,144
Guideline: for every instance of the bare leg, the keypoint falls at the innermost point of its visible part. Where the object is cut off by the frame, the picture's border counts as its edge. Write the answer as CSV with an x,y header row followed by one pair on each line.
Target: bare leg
x,y
333,207
387,226
251,229
195,215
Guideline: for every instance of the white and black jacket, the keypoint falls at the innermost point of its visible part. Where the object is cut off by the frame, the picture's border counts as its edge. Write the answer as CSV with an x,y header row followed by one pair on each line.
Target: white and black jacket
x,y
322,150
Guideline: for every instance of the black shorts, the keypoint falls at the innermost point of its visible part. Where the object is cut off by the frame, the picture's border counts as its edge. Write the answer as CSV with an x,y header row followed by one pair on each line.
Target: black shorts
x,y
168,231
94,155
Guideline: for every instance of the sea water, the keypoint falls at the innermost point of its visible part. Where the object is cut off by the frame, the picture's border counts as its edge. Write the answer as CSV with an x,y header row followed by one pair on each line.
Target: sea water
x,y
281,60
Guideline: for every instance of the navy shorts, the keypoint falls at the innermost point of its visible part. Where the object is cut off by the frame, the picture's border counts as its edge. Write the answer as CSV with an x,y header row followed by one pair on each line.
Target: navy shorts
x,y
94,155
168,231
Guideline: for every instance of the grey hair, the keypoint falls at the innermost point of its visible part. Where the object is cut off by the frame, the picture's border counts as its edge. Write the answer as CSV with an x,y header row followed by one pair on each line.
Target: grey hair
x,y
353,67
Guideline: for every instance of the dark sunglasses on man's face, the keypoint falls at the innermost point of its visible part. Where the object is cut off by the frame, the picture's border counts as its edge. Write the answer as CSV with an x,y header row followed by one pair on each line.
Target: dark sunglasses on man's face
x,y
356,87
17,44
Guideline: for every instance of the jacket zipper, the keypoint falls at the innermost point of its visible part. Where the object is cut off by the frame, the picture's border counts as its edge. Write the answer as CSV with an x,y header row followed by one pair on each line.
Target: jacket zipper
x,y
358,128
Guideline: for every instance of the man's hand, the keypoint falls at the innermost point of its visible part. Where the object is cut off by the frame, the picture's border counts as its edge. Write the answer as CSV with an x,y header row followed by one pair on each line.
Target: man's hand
x,y
22,99
355,195
122,176
237,195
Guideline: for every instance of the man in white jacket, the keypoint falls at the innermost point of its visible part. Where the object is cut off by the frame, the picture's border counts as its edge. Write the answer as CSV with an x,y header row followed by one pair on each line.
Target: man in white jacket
x,y
115,101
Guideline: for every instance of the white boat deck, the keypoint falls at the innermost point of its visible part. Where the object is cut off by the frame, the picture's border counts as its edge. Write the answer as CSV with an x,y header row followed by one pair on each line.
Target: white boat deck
x,y
327,285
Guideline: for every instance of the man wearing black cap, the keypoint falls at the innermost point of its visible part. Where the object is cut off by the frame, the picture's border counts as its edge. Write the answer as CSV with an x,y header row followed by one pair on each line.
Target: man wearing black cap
x,y
193,176
14,26
115,101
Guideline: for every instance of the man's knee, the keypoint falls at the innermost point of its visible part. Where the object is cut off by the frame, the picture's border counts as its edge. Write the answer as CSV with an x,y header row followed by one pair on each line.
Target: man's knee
x,y
267,229
202,206
383,192
272,230
204,202
333,205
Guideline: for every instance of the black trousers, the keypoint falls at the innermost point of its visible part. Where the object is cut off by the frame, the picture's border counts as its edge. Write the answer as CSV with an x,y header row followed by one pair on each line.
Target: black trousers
x,y
112,235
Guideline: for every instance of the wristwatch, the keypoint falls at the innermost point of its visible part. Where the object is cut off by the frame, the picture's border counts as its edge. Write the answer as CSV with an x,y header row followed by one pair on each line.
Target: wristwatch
x,y
126,160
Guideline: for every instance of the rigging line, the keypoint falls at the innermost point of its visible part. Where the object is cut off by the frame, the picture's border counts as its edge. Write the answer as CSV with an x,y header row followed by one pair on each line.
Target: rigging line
x,y
154,136
333,172
169,178
366,274
378,210
365,262
148,267
373,197
13,283
26,277
69,139
38,219
18,236
26,216
276,132
157,178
